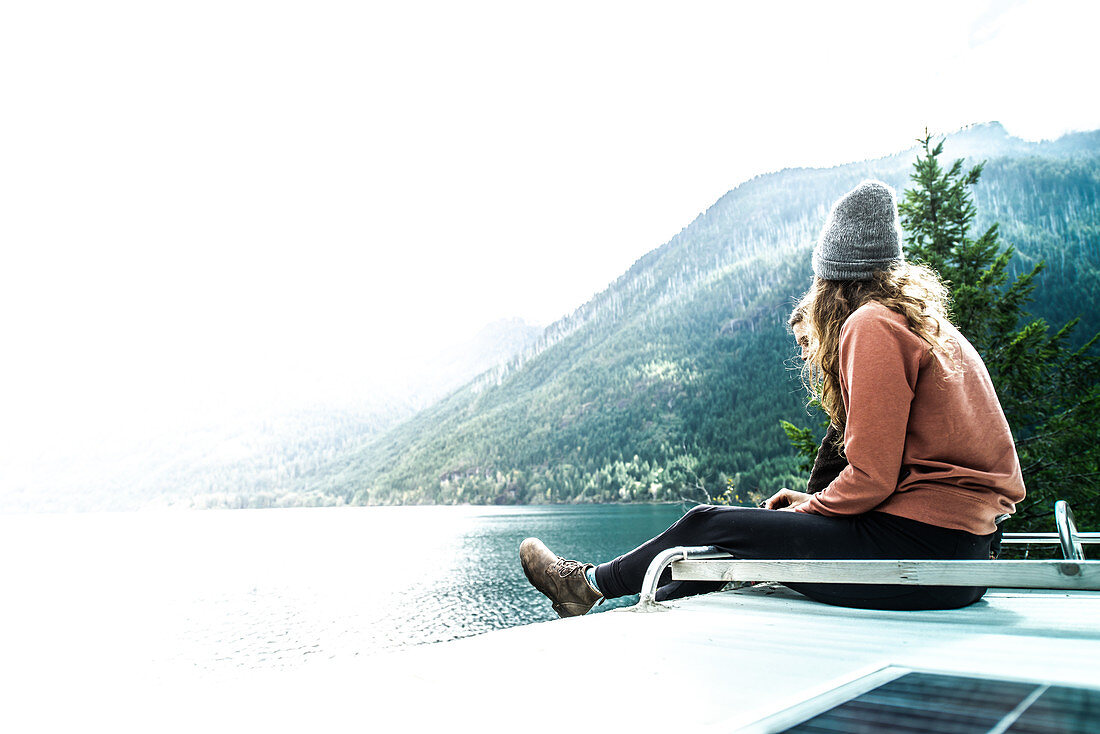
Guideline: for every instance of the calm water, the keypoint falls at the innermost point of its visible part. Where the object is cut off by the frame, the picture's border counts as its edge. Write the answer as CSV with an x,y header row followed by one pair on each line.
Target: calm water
x,y
282,588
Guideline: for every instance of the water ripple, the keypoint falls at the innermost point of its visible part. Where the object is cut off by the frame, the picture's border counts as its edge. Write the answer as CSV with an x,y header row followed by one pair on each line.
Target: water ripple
x,y
284,588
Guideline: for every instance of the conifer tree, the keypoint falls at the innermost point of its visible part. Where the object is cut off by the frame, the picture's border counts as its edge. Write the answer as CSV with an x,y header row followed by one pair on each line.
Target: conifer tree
x,y
804,443
1050,391
937,214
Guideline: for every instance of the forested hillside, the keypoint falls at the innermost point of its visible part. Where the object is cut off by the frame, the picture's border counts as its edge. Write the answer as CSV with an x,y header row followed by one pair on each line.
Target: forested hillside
x,y
672,381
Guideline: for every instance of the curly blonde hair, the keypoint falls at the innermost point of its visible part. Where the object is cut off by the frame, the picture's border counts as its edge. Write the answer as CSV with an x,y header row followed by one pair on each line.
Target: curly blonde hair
x,y
914,291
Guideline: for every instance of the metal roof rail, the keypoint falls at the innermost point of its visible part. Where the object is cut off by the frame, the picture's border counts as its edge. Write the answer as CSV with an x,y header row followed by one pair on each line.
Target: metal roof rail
x,y
657,566
707,563
1072,542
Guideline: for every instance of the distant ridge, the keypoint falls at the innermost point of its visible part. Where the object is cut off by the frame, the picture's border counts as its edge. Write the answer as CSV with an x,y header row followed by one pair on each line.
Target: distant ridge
x,y
669,382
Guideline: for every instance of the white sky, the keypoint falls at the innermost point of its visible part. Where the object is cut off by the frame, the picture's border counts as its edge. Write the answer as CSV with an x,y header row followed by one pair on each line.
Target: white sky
x,y
212,204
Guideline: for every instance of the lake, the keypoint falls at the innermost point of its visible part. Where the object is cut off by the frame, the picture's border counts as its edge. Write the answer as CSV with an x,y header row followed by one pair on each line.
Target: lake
x,y
275,589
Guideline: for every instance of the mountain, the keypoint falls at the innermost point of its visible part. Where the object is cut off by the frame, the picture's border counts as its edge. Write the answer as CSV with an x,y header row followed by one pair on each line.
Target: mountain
x,y
670,383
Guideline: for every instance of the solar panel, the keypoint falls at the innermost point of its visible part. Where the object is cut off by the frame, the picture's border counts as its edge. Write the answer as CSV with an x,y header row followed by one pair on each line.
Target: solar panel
x,y
936,703
1061,709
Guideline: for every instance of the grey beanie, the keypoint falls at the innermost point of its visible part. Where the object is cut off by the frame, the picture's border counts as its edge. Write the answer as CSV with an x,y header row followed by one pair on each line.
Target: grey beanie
x,y
860,235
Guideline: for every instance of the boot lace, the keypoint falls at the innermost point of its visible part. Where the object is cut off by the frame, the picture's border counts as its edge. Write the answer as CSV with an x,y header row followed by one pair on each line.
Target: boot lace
x,y
565,569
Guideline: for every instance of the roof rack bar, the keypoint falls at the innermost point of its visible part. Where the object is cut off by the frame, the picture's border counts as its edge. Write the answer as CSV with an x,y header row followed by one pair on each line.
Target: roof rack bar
x,y
1048,538
648,600
1057,574
707,563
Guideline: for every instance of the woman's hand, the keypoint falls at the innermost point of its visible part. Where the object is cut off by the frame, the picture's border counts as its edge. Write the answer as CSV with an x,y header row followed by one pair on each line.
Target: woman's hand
x,y
785,499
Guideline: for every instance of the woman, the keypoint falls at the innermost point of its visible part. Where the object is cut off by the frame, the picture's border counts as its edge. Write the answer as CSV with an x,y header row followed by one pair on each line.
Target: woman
x,y
830,459
931,461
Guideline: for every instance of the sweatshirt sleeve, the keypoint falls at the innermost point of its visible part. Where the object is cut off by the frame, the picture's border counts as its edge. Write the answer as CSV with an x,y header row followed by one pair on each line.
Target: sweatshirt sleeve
x,y
879,362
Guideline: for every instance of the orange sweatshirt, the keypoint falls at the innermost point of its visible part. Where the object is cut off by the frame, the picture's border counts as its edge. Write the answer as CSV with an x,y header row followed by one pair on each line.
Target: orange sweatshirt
x,y
925,439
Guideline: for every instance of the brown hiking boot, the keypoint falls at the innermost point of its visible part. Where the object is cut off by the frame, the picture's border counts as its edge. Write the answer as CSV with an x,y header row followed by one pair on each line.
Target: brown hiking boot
x,y
562,581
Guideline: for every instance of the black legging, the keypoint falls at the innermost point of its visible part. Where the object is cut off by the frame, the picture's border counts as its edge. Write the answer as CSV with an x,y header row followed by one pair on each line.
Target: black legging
x,y
751,533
